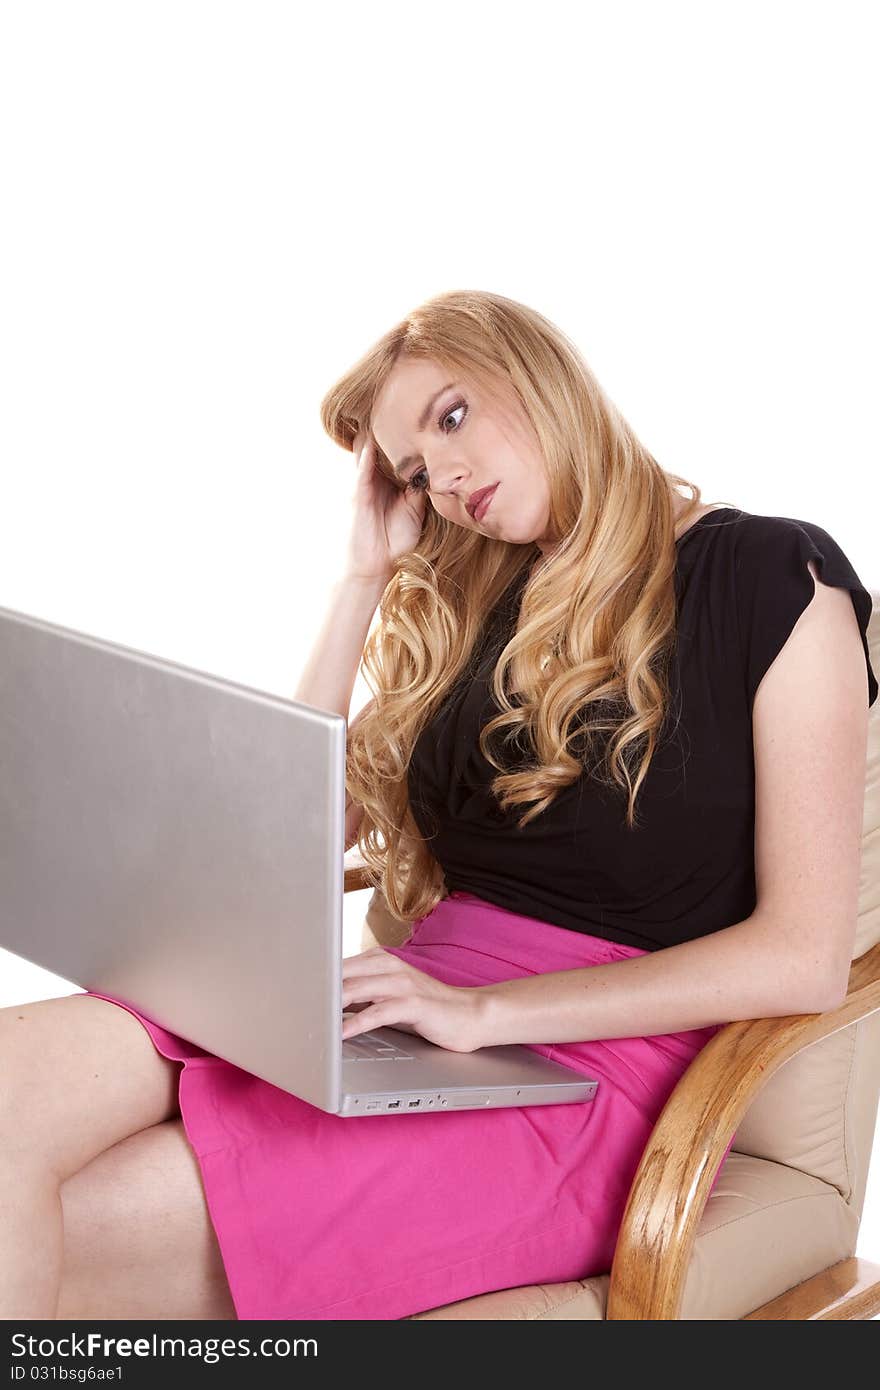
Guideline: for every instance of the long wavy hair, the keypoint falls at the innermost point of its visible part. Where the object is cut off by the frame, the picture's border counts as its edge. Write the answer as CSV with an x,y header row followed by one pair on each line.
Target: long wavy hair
x,y
589,658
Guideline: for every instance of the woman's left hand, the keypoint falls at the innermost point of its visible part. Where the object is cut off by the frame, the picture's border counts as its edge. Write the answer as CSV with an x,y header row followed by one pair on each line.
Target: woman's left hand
x,y
394,994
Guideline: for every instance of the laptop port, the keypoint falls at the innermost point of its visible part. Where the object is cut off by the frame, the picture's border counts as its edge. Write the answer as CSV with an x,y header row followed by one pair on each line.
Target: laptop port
x,y
393,1104
414,1103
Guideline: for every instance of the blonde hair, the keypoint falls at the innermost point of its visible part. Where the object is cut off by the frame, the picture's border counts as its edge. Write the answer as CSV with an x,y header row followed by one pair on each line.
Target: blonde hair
x,y
590,653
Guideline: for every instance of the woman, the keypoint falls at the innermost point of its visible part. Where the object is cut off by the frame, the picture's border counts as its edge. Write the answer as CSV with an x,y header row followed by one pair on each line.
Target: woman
x,y
583,788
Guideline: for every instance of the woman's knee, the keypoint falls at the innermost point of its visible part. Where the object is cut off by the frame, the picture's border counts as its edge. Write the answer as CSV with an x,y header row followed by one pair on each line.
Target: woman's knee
x,y
77,1075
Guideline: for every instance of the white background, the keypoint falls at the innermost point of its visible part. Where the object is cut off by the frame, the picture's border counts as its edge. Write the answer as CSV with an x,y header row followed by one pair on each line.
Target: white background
x,y
211,209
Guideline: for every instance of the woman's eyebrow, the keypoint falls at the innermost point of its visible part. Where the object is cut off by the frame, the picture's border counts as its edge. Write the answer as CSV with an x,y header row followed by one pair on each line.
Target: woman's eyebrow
x,y
423,420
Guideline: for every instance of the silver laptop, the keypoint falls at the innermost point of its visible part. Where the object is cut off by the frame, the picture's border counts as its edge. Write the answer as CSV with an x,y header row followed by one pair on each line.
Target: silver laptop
x,y
176,840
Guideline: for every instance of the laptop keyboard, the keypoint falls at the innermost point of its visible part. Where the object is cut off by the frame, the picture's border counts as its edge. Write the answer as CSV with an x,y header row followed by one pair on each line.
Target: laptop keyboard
x,y
368,1047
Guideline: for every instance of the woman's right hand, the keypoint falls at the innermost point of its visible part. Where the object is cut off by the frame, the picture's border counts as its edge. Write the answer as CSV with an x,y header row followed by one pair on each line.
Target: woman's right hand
x,y
386,520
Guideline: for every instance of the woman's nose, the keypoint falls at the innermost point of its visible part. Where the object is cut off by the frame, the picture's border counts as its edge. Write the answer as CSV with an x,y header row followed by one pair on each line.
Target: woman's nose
x,y
447,480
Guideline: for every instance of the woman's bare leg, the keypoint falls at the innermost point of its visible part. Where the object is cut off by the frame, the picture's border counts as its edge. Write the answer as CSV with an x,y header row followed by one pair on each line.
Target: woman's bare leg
x,y
138,1238
77,1075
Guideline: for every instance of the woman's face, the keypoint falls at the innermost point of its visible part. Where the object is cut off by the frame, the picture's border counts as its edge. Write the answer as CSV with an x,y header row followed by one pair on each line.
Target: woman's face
x,y
444,437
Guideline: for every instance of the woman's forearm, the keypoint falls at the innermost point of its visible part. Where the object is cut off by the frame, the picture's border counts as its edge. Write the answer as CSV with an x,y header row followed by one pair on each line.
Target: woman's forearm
x,y
327,681
743,971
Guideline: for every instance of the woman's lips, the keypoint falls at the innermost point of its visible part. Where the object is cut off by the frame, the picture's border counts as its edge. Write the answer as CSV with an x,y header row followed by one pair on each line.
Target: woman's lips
x,y
483,505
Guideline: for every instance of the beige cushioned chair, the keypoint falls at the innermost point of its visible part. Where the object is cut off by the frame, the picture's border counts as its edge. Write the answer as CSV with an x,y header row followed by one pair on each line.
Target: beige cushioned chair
x,y
776,1238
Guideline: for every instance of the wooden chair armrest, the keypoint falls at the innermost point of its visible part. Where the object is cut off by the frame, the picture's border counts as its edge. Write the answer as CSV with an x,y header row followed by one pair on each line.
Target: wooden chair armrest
x,y
355,873
680,1160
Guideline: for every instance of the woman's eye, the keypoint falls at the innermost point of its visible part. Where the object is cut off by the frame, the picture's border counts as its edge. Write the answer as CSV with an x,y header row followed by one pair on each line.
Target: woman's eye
x,y
447,415
459,405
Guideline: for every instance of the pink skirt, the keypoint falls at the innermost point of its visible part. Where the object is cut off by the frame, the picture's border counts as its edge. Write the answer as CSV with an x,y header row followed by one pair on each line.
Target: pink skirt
x,y
379,1217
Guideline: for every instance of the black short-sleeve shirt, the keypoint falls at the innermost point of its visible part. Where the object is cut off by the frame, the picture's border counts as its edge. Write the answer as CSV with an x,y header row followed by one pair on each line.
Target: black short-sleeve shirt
x,y
687,868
